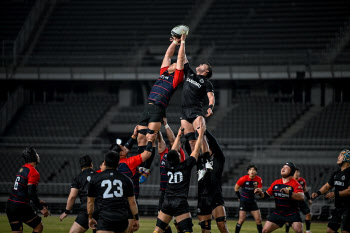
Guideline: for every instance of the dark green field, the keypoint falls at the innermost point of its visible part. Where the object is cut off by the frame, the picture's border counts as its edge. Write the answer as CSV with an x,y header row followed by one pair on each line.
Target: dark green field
x,y
52,224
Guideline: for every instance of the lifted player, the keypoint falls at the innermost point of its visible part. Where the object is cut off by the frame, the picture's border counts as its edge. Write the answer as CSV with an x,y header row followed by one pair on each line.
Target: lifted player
x,y
171,75
176,194
287,192
210,200
114,196
247,199
79,187
340,180
303,205
196,86
18,209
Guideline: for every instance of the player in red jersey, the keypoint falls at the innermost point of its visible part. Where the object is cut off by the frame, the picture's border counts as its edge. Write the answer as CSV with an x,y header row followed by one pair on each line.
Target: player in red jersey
x,y
287,192
303,205
163,152
102,167
171,75
247,199
18,209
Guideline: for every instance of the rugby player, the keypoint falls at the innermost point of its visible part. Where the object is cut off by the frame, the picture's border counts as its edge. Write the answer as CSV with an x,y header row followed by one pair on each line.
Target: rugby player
x,y
210,199
340,181
303,205
176,193
287,192
171,75
18,209
247,201
163,152
196,86
114,196
79,187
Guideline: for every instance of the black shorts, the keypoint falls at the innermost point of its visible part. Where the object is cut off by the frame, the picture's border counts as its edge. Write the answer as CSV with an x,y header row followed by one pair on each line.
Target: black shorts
x,y
116,226
152,113
304,207
83,218
161,200
191,114
248,206
340,218
20,212
206,204
175,206
280,220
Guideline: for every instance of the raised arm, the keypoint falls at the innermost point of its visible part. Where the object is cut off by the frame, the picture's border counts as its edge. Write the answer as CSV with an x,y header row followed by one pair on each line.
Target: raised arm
x,y
169,133
148,151
161,142
181,55
201,129
170,52
177,139
70,202
211,99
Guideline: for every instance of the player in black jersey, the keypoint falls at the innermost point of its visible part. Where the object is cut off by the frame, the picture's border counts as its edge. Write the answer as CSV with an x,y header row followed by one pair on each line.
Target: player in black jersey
x,y
24,190
79,187
176,193
340,181
196,86
210,199
114,195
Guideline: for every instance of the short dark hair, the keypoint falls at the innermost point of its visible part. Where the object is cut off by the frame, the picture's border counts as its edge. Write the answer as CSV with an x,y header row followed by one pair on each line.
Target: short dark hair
x,y
29,155
252,166
115,147
210,70
112,159
173,157
85,161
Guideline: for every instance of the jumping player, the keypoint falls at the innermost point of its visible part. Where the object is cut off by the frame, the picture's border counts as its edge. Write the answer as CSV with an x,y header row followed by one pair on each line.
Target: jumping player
x,y
247,199
79,187
163,152
196,86
114,196
171,75
179,175
287,192
340,180
210,200
303,205
18,209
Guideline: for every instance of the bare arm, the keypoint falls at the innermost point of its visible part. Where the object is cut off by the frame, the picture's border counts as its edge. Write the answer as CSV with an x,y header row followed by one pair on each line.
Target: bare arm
x,y
237,187
169,133
169,53
211,98
325,188
135,212
70,202
177,139
148,151
197,147
90,206
298,196
345,192
161,142
181,54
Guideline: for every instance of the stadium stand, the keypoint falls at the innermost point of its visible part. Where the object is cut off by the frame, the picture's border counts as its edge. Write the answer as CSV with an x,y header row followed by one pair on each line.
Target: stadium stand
x,y
59,122
327,128
259,119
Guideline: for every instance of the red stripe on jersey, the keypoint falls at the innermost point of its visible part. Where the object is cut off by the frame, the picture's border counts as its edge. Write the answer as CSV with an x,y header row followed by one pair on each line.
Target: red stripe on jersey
x,y
18,201
165,81
158,101
284,205
19,197
159,94
23,177
161,87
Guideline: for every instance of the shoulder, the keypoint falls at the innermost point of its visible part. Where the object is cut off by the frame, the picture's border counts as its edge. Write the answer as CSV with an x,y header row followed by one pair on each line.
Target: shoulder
x,y
33,171
258,178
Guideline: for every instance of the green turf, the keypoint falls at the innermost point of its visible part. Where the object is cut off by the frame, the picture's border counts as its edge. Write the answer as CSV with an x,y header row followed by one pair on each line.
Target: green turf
x,y
52,224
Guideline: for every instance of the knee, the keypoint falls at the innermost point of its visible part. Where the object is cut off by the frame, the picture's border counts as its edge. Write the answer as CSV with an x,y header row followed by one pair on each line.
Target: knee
x,y
258,221
39,228
308,216
264,231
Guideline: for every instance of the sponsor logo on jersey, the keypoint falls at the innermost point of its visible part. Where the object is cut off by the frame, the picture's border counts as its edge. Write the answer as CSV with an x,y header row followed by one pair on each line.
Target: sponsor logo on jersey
x,y
193,82
343,178
88,178
21,170
339,183
164,77
201,80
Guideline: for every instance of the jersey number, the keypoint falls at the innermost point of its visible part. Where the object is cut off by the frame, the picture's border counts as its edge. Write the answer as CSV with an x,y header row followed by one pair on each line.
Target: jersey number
x,y
175,178
16,183
117,193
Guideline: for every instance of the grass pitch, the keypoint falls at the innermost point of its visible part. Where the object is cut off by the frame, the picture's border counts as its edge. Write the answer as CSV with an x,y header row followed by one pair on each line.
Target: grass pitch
x,y
52,224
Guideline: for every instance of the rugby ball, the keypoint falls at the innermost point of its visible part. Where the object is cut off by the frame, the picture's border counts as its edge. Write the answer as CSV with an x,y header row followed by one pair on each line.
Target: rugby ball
x,y
178,30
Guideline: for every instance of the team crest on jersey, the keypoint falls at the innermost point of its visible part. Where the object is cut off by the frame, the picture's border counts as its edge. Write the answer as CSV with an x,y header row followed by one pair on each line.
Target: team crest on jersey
x,y
88,178
343,178
289,188
256,183
247,183
201,80
276,187
21,170
198,210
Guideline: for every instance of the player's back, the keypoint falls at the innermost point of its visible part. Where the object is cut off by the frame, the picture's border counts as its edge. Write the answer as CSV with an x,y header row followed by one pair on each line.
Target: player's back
x,y
81,182
179,177
111,190
26,175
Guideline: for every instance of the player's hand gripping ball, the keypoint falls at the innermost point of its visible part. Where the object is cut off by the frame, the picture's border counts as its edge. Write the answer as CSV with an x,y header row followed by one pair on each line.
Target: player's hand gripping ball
x,y
179,30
